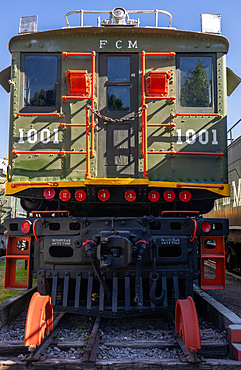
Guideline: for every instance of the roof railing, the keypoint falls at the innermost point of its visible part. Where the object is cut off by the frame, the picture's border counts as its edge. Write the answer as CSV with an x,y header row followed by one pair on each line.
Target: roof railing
x,y
230,133
118,16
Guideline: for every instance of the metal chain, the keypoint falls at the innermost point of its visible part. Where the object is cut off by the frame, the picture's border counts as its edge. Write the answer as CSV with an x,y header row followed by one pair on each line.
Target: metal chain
x,y
121,120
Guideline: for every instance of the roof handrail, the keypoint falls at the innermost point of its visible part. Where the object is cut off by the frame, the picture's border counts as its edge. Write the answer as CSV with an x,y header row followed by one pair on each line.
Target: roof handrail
x,y
230,131
111,12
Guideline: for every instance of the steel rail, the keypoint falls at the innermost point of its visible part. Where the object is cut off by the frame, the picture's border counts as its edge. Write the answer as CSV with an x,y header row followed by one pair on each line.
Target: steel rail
x,y
92,345
36,353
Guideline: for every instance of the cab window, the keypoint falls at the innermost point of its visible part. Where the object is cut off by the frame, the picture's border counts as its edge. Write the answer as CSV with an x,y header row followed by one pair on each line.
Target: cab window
x,y
40,82
118,84
196,81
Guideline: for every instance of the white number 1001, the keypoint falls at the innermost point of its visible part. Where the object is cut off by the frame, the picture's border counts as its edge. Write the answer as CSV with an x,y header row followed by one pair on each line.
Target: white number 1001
x,y
44,136
203,136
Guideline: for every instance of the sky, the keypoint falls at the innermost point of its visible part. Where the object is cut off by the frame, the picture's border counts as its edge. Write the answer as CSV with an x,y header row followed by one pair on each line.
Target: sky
x,y
186,16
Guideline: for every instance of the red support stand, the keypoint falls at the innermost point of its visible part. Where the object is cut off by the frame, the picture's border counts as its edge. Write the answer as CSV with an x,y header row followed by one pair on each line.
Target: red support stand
x,y
15,253
214,253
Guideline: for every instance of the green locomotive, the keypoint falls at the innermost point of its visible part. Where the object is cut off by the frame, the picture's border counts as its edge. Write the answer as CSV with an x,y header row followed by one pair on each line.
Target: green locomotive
x,y
117,146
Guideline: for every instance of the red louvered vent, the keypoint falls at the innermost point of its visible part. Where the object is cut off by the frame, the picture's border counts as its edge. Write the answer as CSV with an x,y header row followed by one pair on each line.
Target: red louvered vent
x,y
78,83
157,83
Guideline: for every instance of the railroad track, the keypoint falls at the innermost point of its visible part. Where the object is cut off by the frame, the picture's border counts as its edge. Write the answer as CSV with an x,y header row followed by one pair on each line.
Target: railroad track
x,y
164,349
102,349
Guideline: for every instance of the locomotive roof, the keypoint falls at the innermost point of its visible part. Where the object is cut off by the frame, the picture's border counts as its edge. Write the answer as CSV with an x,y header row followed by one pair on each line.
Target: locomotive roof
x,y
218,42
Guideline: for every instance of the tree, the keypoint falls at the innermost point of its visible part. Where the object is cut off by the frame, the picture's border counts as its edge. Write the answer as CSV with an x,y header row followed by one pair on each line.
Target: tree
x,y
115,104
44,98
195,86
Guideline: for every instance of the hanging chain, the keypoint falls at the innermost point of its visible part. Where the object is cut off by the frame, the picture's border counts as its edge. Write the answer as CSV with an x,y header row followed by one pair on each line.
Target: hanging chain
x,y
111,120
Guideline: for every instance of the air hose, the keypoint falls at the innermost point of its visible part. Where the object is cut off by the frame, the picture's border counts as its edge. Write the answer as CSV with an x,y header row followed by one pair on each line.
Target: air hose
x,y
89,245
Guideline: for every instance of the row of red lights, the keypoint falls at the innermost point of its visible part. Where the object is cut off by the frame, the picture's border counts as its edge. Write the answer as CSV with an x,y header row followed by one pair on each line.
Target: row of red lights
x,y
130,195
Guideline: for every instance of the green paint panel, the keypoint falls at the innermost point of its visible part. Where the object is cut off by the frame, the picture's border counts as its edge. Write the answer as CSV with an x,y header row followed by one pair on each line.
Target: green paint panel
x,y
34,167
191,134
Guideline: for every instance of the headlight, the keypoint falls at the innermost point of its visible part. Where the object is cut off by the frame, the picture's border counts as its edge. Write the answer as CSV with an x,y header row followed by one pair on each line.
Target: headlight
x,y
118,14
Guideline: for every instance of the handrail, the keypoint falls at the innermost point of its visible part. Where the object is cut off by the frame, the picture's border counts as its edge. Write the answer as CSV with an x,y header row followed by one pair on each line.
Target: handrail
x,y
64,125
87,175
34,230
196,114
75,97
144,124
65,54
195,230
90,126
110,12
171,54
173,152
230,130
60,152
87,152
172,98
39,114
160,124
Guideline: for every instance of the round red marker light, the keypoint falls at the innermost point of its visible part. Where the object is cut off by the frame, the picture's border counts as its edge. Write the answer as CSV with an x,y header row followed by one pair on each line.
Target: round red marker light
x,y
49,193
25,227
64,195
206,227
80,195
185,196
130,196
104,195
169,196
153,196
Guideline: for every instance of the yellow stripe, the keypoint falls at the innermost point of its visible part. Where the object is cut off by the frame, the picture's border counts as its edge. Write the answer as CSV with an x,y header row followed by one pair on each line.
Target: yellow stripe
x,y
12,188
106,181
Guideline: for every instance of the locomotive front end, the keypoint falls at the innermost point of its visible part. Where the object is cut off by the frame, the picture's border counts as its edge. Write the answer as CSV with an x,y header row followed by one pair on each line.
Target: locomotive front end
x,y
117,147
